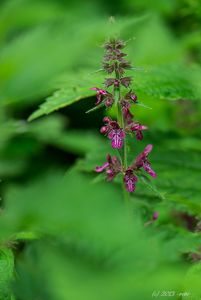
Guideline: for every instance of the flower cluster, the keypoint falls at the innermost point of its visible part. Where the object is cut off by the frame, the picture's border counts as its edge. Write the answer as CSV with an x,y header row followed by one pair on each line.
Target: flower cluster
x,y
114,166
115,64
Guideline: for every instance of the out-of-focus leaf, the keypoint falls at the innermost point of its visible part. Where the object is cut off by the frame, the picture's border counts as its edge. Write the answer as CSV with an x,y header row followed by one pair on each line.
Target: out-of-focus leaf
x,y
170,82
51,130
6,272
61,99
92,240
146,181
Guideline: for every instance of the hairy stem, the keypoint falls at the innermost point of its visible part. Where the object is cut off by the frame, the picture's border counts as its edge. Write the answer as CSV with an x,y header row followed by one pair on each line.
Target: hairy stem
x,y
120,118
121,121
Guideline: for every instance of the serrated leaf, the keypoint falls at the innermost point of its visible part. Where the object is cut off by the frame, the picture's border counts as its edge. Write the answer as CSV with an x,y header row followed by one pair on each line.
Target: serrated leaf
x,y
59,99
170,82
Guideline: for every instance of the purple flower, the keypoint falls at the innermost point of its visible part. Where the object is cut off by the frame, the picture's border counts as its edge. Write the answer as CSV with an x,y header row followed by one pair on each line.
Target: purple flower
x,y
131,96
112,167
109,101
114,132
130,180
103,96
142,161
126,81
115,64
137,127
116,136
124,64
155,216
100,94
125,107
112,81
109,68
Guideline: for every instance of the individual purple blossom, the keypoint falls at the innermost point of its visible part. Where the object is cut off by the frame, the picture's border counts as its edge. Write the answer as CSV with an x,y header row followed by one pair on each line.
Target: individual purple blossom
x,y
99,94
126,81
137,128
155,216
114,132
116,136
130,180
153,219
112,167
125,107
109,101
103,96
131,96
112,81
143,162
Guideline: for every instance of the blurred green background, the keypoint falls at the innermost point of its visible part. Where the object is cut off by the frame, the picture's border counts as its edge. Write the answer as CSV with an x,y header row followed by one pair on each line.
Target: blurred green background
x,y
65,233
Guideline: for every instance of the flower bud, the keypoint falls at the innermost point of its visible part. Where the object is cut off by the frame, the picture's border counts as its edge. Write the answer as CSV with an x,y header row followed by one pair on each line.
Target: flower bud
x,y
106,120
104,129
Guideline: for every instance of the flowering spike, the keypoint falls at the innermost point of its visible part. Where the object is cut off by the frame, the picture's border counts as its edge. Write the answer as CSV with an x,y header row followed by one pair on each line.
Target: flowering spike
x,y
114,63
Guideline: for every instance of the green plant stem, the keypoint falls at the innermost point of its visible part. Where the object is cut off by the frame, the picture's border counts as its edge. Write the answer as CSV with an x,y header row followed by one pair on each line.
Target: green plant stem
x,y
121,121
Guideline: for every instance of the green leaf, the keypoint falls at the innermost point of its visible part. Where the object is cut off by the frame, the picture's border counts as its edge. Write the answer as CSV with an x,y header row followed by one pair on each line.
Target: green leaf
x,y
66,96
170,82
146,181
6,272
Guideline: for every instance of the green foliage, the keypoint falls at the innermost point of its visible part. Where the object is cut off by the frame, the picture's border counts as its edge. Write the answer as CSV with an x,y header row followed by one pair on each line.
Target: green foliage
x,y
77,242
66,233
6,272
66,96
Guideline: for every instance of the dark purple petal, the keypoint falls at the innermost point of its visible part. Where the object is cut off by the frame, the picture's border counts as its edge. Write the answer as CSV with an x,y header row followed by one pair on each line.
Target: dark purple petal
x,y
110,174
125,64
117,137
104,129
130,181
148,169
99,91
99,94
109,67
137,126
100,169
155,215
106,119
99,99
94,89
139,135
109,82
128,115
133,97
141,161
109,102
126,81
130,185
114,125
148,149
